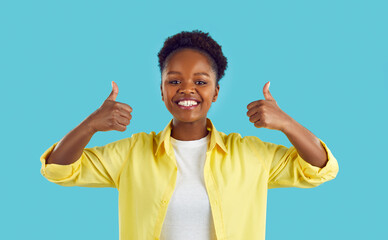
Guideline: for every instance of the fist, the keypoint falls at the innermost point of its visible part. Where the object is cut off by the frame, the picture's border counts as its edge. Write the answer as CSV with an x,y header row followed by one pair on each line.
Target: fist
x,y
111,115
266,113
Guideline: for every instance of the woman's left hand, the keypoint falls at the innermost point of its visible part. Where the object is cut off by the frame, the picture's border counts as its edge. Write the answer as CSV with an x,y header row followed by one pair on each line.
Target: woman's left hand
x,y
266,113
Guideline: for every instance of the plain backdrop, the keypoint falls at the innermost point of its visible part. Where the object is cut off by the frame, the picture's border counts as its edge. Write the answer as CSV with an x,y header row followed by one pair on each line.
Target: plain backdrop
x,y
326,60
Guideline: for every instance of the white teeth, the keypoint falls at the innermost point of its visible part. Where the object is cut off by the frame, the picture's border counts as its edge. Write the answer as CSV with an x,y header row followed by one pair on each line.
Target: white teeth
x,y
187,103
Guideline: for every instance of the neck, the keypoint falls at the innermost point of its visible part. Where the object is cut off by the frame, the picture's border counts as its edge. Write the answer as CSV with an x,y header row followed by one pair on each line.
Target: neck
x,y
188,131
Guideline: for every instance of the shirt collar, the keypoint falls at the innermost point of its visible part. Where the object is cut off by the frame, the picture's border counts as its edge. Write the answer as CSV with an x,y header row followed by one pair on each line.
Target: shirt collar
x,y
163,139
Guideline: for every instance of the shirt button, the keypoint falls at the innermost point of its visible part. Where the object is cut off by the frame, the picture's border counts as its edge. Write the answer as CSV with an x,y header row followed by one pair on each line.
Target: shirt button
x,y
164,202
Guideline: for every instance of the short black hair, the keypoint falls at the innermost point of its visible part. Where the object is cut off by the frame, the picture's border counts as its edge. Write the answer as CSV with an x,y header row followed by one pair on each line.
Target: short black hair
x,y
199,41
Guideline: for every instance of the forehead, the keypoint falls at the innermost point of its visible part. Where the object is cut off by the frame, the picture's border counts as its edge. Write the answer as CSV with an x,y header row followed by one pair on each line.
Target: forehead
x,y
188,60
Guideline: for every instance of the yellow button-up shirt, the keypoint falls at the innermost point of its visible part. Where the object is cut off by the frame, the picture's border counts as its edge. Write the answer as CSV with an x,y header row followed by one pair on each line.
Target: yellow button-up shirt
x,y
238,171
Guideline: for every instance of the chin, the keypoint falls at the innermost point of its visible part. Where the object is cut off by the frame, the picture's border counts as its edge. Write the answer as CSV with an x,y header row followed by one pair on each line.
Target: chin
x,y
188,119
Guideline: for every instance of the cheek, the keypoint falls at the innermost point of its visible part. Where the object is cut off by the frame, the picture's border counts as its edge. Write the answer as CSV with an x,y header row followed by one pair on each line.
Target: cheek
x,y
209,100
167,97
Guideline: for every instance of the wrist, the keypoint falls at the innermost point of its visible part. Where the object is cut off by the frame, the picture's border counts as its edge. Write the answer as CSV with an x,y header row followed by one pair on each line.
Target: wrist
x,y
289,126
87,126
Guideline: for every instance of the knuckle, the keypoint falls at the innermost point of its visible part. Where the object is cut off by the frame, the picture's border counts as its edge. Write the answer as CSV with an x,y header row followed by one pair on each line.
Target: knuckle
x,y
118,126
254,118
114,111
116,105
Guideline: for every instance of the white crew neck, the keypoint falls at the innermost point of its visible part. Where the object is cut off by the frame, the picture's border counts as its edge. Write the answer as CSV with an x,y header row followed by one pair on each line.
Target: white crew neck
x,y
191,143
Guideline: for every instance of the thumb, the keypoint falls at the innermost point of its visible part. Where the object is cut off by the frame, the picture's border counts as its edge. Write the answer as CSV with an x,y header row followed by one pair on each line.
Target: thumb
x,y
267,94
115,91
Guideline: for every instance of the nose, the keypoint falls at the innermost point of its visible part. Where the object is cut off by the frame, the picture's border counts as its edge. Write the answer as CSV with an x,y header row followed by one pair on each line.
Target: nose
x,y
187,87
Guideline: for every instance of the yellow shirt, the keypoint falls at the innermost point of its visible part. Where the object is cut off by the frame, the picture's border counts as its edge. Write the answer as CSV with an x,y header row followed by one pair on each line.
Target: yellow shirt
x,y
238,171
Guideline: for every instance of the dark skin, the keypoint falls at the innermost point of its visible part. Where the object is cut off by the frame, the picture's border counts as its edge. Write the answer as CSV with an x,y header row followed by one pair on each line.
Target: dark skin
x,y
191,124
111,115
188,74
266,113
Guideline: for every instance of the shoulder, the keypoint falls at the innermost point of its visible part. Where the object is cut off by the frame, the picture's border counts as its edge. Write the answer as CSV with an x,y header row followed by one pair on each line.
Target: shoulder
x,y
248,148
236,138
136,138
143,138
236,143
252,144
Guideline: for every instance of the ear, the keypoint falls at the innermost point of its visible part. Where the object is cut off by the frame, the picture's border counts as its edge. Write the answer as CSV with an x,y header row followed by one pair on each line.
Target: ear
x,y
216,93
161,90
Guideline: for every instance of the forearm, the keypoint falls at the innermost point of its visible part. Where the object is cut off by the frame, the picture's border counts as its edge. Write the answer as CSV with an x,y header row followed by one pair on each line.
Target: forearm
x,y
306,143
71,146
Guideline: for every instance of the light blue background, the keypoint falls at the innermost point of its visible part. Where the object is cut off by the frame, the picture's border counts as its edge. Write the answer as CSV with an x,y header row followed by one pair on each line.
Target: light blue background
x,y
326,60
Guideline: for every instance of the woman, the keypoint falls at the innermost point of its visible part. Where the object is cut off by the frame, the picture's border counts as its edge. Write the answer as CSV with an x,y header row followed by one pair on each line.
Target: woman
x,y
190,181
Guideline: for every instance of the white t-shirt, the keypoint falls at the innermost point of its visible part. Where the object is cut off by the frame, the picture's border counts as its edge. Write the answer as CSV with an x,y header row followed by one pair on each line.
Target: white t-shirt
x,y
189,214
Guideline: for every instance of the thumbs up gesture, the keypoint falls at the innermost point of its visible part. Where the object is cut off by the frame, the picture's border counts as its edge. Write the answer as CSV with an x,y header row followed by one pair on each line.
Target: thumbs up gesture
x,y
266,113
111,115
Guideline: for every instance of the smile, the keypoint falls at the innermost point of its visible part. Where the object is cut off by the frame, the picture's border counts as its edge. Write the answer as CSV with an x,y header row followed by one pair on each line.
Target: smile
x,y
187,104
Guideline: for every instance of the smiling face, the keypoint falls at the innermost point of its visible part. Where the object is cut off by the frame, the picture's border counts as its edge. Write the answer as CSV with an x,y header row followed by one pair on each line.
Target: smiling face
x,y
188,86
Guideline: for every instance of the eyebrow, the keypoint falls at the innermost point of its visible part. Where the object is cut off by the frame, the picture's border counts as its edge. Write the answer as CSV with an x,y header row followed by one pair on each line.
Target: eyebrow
x,y
195,74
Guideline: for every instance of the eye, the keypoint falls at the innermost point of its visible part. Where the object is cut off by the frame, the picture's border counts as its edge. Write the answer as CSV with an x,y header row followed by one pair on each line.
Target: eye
x,y
200,82
173,82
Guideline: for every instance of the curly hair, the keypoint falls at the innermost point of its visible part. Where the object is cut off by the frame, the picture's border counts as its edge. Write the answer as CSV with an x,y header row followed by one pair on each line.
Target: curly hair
x,y
199,41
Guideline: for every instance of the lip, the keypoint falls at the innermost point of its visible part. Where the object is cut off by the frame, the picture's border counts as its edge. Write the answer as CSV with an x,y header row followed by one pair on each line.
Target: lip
x,y
187,99
187,107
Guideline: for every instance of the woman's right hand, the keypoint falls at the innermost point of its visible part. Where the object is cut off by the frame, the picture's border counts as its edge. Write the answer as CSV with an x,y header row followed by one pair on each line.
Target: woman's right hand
x,y
111,115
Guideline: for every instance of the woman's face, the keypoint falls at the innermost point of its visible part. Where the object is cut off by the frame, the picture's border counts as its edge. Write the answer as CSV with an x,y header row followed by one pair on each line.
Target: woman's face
x,y
189,86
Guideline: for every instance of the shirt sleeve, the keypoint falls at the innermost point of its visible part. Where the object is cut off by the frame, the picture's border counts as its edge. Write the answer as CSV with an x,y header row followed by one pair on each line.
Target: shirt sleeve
x,y
288,169
97,166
